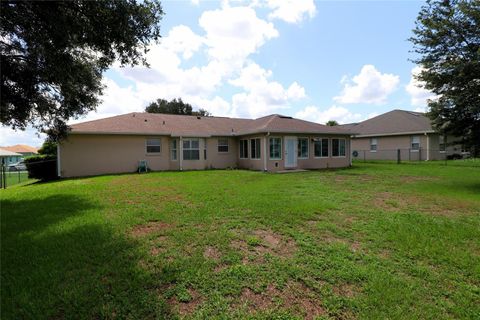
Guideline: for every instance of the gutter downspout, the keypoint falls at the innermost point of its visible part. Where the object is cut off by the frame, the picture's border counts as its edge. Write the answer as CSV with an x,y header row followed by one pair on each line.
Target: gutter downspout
x,y
59,170
428,147
265,152
181,153
350,150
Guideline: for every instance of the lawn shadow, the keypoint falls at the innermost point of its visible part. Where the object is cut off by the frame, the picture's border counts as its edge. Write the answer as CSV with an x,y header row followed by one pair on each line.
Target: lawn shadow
x,y
76,269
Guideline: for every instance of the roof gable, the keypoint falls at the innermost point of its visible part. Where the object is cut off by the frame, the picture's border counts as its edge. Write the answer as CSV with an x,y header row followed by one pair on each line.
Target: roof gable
x,y
393,122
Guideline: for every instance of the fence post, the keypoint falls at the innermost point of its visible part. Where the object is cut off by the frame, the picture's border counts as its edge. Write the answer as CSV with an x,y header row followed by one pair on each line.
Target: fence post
x,y
398,156
364,156
4,178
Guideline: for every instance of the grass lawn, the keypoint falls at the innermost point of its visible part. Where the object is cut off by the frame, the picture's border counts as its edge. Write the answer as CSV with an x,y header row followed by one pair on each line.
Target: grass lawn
x,y
374,241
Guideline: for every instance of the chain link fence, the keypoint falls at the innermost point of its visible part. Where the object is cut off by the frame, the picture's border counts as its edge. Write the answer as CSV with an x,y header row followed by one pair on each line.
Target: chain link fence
x,y
9,177
417,156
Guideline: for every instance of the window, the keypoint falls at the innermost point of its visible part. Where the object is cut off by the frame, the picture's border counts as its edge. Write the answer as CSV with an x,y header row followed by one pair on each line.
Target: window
x,y
153,145
173,150
191,149
415,145
441,143
321,148
255,148
222,145
338,147
243,149
275,148
373,145
302,148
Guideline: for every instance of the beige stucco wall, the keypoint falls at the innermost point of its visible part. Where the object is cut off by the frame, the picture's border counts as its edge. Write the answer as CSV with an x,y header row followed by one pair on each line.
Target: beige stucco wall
x,y
86,155
387,148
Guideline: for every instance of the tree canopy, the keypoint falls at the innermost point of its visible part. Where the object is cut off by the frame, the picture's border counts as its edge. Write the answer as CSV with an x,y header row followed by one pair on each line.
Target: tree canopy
x,y
175,106
331,123
53,54
447,39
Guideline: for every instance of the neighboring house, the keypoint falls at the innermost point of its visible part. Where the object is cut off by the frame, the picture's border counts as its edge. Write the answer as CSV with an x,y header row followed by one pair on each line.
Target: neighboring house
x,y
23,149
8,157
410,132
177,142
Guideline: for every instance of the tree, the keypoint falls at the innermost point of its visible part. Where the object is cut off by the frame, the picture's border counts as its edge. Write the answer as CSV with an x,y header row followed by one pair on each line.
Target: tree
x,y
48,148
447,38
331,123
53,54
175,106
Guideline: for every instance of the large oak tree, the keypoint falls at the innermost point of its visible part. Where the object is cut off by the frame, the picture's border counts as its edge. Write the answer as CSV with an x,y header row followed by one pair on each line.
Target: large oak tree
x,y
447,39
53,54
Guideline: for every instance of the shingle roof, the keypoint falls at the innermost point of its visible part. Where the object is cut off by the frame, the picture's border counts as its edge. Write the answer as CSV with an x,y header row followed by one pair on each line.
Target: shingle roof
x,y
393,122
8,153
21,148
180,125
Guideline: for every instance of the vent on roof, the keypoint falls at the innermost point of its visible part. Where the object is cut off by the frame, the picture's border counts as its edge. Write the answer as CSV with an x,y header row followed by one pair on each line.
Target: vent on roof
x,y
285,117
145,120
198,117
163,121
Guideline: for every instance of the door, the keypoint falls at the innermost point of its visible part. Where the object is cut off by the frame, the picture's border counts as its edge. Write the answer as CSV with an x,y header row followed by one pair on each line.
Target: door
x,y
290,152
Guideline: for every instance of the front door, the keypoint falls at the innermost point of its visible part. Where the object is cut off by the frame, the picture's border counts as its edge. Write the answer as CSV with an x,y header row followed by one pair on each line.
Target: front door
x,y
290,152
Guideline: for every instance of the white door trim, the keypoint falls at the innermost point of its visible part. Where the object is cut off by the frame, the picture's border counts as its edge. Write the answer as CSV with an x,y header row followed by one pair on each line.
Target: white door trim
x,y
287,164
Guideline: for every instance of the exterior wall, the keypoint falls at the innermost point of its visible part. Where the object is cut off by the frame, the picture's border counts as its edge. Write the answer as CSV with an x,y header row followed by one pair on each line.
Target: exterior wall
x,y
86,155
311,162
10,159
222,160
387,147
252,164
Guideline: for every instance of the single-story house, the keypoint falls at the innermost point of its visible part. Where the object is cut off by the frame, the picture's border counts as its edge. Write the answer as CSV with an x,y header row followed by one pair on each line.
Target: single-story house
x,y
23,149
410,132
178,142
8,157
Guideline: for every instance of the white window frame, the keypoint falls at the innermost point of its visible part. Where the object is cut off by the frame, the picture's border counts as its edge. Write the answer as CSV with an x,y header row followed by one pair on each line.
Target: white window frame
x,y
159,145
257,147
190,148
299,149
373,142
241,145
280,148
345,147
223,145
442,141
174,150
321,148
411,144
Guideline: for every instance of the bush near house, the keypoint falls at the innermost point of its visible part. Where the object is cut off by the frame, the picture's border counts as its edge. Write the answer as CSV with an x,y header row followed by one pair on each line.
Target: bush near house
x,y
42,167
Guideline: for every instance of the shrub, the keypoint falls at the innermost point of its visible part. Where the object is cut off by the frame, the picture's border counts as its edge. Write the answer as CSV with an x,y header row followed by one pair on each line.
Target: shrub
x,y
42,167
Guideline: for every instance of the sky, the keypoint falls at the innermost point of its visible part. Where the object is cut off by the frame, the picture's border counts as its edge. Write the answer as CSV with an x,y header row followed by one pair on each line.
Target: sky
x,y
315,60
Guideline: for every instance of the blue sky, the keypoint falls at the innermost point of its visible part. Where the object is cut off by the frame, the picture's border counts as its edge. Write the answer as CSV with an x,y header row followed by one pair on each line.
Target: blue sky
x,y
340,60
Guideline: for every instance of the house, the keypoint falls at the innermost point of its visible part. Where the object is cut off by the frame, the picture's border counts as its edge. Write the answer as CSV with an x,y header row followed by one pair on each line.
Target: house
x,y
381,137
23,149
179,142
8,157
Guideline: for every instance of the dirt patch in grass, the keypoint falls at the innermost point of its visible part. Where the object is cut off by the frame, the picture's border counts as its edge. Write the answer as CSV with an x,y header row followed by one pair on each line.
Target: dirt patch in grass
x,y
185,308
295,297
346,290
212,253
150,227
412,179
260,242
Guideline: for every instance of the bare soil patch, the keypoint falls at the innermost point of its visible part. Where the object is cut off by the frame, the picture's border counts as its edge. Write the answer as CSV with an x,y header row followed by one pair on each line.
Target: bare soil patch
x,y
150,227
346,289
188,307
295,297
212,253
269,242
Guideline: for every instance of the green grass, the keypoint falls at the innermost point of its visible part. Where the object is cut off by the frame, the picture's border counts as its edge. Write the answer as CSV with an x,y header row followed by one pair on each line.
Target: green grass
x,y
15,177
374,241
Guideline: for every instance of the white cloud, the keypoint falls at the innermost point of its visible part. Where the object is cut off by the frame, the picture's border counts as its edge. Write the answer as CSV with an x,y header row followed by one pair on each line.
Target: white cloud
x,y
233,33
370,86
181,39
339,114
29,136
418,94
262,96
291,11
